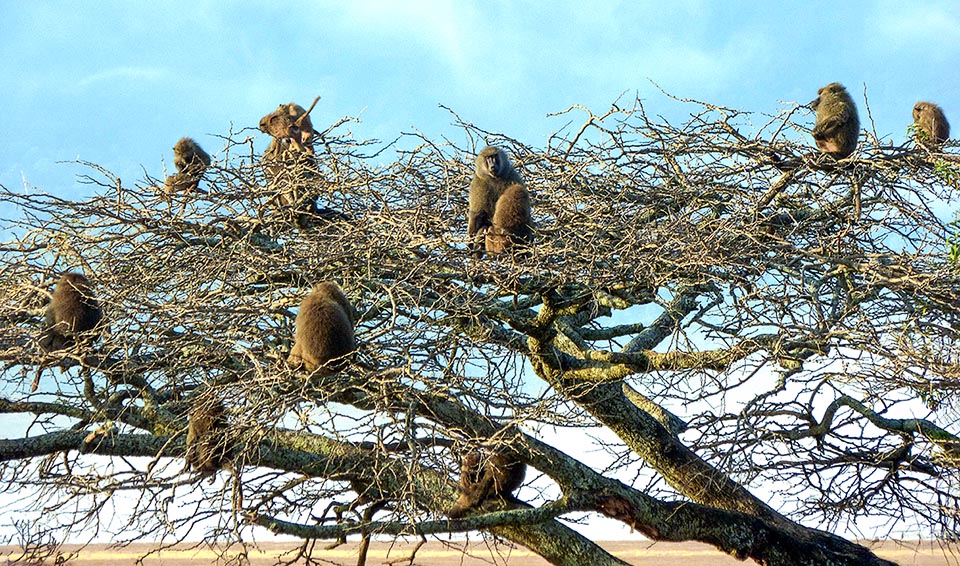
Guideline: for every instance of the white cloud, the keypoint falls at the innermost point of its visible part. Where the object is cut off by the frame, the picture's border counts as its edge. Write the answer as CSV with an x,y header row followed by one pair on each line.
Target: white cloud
x,y
125,73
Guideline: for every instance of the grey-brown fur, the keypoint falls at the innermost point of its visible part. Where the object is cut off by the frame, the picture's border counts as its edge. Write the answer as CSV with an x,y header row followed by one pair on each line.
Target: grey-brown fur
x,y
284,165
274,159
180,183
291,122
493,174
191,163
290,173
189,157
289,163
837,126
932,126
208,448
512,225
324,330
482,477
73,309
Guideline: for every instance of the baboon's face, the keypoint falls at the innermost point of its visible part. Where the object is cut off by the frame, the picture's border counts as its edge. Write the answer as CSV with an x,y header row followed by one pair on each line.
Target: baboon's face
x,y
277,126
272,123
76,282
493,162
470,467
828,91
918,110
828,146
831,89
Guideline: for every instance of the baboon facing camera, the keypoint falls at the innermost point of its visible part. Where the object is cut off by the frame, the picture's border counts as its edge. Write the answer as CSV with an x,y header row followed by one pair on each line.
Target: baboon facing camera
x,y
493,176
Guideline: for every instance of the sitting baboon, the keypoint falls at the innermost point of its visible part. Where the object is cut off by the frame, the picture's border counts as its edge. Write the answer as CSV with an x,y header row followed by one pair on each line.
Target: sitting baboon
x,y
189,157
493,174
290,166
324,335
291,122
512,224
191,163
208,448
73,309
837,126
496,478
932,128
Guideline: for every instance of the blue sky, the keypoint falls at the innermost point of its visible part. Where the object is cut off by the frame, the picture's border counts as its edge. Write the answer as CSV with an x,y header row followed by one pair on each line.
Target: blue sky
x,y
117,83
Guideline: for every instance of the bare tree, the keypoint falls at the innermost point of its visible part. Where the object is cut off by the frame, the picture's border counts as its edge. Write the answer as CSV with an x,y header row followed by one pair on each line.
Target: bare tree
x,y
735,309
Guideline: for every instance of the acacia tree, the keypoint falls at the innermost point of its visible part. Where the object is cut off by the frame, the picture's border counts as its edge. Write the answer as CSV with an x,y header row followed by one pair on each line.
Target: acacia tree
x,y
736,311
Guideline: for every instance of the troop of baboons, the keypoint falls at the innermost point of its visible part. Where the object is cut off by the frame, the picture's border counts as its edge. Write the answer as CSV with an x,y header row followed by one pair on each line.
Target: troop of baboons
x,y
499,221
837,125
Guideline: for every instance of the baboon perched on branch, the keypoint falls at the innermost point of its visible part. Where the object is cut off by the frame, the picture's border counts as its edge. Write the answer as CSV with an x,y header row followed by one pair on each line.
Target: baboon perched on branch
x,y
493,175
838,126
208,449
191,163
289,163
497,476
932,128
73,309
324,331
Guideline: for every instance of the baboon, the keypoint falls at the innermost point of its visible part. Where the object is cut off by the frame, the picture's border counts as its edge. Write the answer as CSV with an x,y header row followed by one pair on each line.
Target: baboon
x,y
497,477
512,225
289,163
291,121
324,330
837,125
208,449
932,126
189,157
493,174
73,309
282,124
191,163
